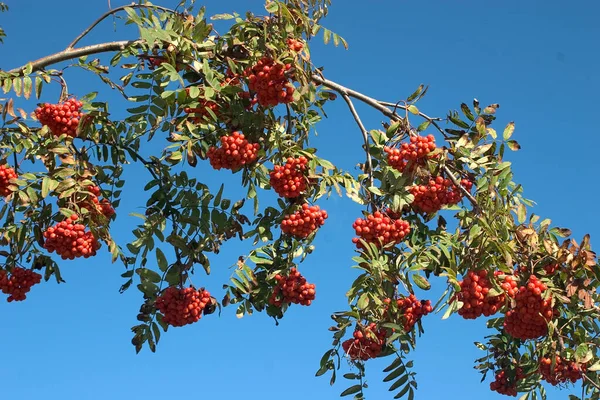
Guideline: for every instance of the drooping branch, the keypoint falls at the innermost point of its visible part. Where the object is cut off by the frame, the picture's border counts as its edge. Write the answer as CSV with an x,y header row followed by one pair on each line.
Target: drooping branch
x,y
369,167
433,121
382,107
78,52
111,12
345,92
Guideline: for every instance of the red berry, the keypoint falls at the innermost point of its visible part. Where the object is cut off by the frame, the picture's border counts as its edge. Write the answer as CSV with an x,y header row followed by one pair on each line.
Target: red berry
x,y
70,240
506,385
18,283
415,152
380,229
304,221
529,318
437,193
289,180
6,174
563,371
367,343
182,306
60,118
268,80
235,152
292,288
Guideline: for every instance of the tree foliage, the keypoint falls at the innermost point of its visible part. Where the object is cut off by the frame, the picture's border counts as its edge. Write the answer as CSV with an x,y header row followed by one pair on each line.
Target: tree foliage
x,y
248,99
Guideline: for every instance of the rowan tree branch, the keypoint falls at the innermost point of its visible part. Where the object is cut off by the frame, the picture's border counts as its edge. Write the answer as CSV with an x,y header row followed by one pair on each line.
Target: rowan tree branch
x,y
346,93
382,107
111,12
369,164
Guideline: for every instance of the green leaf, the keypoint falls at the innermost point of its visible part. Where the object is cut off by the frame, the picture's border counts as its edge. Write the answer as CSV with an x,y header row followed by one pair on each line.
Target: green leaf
x,y
521,213
416,93
222,17
413,109
161,260
393,365
465,109
399,383
219,195
421,282
396,373
508,131
272,7
351,390
375,190
513,145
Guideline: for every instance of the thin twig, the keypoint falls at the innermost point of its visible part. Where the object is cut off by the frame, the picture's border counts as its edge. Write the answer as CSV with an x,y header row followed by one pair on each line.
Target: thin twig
x,y
422,115
369,167
456,183
111,12
591,382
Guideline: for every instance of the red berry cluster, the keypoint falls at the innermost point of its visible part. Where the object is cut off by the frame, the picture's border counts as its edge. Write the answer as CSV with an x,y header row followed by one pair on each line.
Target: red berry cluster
x,y
19,283
504,385
267,78
564,371
295,45
437,193
234,153
412,310
366,344
416,150
529,318
61,118
289,180
380,230
474,293
6,174
292,288
70,240
304,221
103,206
182,306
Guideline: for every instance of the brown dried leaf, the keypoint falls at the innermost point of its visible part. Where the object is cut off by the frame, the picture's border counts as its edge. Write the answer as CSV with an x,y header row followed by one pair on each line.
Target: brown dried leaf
x,y
240,262
550,247
10,108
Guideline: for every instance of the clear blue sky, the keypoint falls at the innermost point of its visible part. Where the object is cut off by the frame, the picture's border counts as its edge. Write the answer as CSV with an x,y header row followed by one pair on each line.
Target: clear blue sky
x,y
539,60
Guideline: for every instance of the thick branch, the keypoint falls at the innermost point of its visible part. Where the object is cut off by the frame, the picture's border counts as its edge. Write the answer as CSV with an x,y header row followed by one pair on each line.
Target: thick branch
x,y
111,12
369,167
79,52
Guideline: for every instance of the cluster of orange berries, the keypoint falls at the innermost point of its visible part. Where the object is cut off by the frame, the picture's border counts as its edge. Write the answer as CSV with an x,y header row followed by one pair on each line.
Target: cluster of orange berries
x,y
380,230
504,385
61,118
6,174
412,310
437,193
304,221
416,150
366,343
474,293
70,240
103,206
551,268
235,152
182,306
564,371
295,45
269,81
289,180
528,320
292,288
19,283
